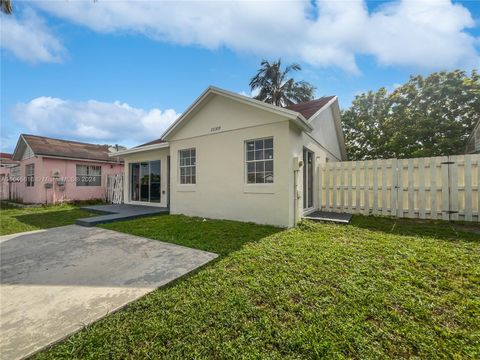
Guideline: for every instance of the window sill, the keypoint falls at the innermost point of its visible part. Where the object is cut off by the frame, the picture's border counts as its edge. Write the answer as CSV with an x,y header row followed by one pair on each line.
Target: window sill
x,y
259,188
187,188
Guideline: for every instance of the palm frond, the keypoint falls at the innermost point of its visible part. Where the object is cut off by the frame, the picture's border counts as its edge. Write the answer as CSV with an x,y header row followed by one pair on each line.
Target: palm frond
x,y
6,6
275,86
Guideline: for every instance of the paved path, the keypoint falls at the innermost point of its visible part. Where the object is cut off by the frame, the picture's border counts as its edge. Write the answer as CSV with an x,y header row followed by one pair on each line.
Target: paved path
x,y
118,212
53,282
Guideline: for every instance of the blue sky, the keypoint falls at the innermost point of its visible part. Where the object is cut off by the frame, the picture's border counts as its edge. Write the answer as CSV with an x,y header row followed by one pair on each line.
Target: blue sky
x,y
106,72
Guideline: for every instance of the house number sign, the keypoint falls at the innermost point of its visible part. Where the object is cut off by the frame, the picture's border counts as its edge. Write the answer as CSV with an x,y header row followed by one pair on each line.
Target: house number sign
x,y
216,128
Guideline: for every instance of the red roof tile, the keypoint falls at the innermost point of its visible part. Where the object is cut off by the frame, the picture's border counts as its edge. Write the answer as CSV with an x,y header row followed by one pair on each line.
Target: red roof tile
x,y
5,156
307,109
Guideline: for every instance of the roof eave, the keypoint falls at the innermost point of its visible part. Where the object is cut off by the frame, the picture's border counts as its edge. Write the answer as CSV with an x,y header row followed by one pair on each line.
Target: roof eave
x,y
298,118
139,149
323,108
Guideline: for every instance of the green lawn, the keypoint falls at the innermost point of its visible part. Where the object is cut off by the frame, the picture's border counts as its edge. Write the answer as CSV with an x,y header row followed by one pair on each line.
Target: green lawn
x,y
15,220
375,289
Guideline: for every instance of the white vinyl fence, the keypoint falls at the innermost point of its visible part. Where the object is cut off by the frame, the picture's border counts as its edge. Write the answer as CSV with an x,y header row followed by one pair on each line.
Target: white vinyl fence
x,y
115,189
435,188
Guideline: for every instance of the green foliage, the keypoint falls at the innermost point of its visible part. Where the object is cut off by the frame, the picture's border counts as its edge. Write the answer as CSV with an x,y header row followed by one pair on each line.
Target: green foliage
x,y
14,220
379,288
430,116
275,86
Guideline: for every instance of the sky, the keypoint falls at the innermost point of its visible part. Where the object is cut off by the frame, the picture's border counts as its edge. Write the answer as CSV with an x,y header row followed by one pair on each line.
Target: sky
x,y
120,72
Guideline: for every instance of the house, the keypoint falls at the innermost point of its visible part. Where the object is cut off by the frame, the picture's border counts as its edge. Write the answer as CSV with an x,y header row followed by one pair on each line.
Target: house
x,y
473,142
232,157
6,165
54,170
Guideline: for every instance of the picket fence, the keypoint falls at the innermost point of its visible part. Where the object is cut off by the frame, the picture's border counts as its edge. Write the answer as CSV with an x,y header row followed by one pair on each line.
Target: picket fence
x,y
115,189
445,187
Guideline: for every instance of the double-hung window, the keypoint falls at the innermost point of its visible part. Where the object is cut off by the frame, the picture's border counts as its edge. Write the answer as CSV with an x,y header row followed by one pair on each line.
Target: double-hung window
x,y
188,165
89,175
259,161
30,174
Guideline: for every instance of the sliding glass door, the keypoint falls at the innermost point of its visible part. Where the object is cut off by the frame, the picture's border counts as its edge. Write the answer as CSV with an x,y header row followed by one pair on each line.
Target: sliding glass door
x,y
145,181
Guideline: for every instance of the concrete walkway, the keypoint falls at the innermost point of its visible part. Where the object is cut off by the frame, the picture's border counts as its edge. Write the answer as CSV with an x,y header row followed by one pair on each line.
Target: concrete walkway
x,y
54,282
118,212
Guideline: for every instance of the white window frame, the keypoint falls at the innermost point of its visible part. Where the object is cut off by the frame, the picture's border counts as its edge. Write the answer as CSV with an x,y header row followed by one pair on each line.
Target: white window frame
x,y
87,175
189,165
30,175
259,159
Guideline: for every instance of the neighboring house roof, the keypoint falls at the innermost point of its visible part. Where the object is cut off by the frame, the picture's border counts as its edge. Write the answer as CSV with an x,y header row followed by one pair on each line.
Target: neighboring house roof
x,y
49,147
6,160
310,108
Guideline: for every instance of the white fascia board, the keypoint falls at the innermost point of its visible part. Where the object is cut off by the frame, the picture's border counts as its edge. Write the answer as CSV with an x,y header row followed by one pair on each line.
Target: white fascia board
x,y
292,115
139,149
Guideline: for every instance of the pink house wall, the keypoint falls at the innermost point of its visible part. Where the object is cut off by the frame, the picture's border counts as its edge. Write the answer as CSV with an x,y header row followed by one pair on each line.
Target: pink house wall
x,y
44,169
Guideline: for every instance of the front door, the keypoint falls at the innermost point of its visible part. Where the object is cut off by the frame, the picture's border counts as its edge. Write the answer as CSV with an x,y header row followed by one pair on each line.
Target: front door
x,y
307,179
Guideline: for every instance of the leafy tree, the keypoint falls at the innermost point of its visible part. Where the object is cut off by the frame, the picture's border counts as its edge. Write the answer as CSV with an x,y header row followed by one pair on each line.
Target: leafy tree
x,y
430,116
275,86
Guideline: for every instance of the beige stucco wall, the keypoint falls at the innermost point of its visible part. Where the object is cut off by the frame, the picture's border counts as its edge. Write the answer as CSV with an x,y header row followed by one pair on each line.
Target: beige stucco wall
x,y
221,190
158,154
218,130
324,132
298,141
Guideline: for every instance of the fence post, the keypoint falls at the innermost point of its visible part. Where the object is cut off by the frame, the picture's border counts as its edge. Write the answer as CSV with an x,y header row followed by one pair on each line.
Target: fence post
x,y
399,176
327,186
421,189
467,192
433,188
445,189
350,186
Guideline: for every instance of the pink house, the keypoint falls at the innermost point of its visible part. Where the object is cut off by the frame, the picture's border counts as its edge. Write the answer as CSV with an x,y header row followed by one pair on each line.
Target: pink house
x,y
54,170
6,164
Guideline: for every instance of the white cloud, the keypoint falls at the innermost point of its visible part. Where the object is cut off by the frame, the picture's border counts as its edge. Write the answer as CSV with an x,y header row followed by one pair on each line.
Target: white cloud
x,y
418,33
93,121
27,36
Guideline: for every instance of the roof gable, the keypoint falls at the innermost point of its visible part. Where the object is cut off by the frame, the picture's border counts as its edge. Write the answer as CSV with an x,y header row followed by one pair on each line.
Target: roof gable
x,y
310,108
211,91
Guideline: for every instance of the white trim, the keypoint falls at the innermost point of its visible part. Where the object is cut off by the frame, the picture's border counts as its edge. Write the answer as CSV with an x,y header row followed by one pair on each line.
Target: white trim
x,y
292,115
139,149
338,127
323,108
145,203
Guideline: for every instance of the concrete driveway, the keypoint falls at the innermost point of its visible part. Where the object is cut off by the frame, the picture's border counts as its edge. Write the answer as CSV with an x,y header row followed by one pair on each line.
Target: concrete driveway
x,y
54,282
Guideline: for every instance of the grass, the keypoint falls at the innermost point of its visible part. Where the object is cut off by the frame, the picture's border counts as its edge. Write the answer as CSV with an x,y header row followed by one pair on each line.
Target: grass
x,y
14,220
378,288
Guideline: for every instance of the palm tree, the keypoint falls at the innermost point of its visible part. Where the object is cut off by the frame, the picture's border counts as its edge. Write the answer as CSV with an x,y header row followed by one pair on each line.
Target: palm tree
x,y
6,6
276,88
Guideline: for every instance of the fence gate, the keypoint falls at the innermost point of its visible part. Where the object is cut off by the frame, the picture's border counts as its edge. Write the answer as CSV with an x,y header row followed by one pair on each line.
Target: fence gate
x,y
115,189
445,187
